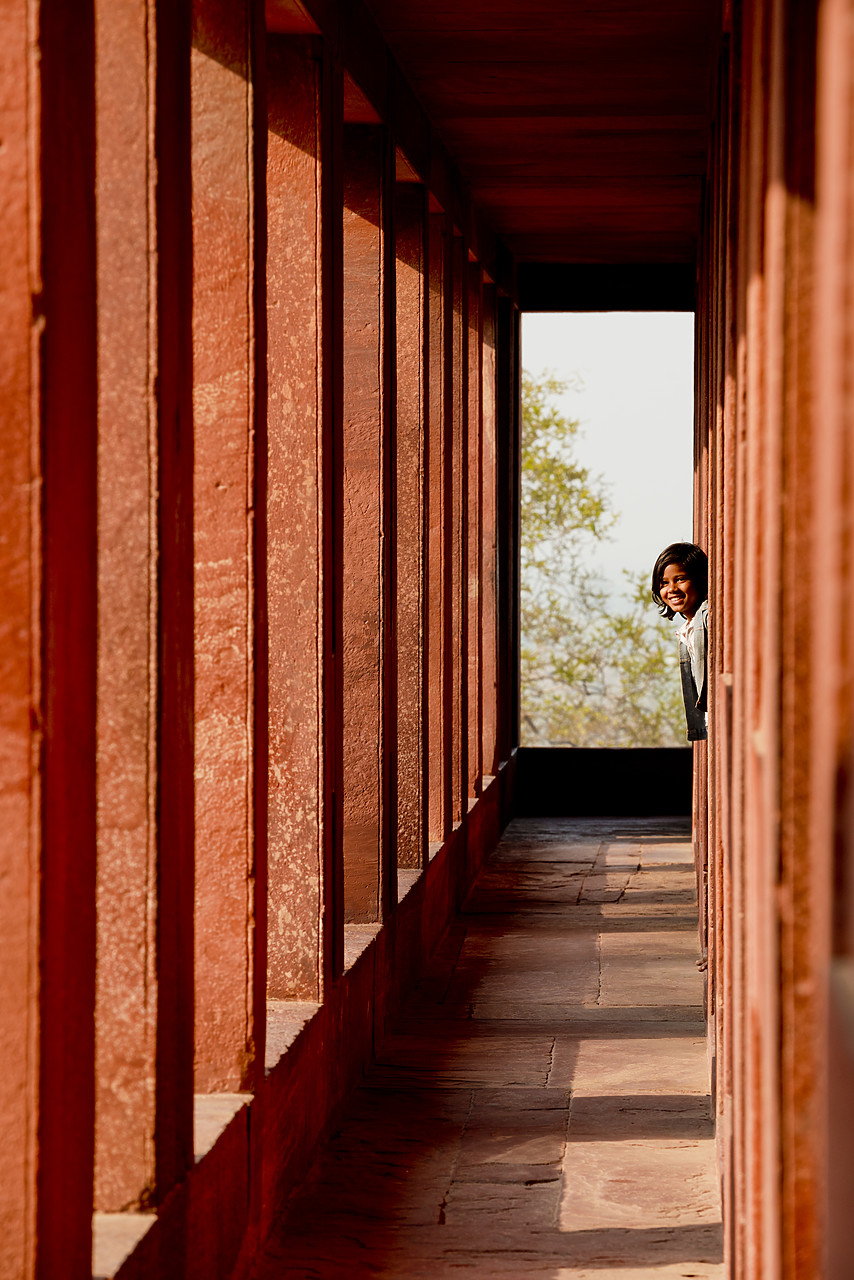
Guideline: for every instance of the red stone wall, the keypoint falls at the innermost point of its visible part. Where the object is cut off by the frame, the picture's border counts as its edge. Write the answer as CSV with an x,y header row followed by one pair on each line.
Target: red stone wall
x,y
774,508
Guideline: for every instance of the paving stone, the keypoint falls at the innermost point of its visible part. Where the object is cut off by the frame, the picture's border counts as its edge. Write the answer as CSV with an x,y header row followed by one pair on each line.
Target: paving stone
x,y
524,854
577,981
664,852
626,917
618,1117
639,1184
629,1064
530,947
519,1207
637,895
518,1126
620,855
517,1059
665,878
502,1171
659,968
597,1020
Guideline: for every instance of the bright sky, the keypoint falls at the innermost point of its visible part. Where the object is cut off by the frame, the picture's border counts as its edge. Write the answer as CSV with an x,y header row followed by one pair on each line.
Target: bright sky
x,y
636,411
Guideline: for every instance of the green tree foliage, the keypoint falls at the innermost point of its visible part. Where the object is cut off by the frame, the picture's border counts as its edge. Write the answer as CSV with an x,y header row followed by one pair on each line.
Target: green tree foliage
x,y
592,675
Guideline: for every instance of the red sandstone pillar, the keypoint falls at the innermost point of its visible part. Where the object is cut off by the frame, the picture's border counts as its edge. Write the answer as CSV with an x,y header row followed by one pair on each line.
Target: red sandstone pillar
x,y
145,565
458,525
507,445
128,619
47,654
368,601
229,498
515,527
716,404
410,215
474,531
758,619
20,570
438,721
303,511
833,799
489,564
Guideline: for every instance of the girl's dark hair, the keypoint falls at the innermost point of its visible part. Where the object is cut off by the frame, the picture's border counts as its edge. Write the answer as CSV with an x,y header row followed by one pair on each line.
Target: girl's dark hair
x,y
692,559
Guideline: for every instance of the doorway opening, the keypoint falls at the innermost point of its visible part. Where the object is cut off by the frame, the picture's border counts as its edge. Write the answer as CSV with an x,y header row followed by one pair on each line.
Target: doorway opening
x,y
607,483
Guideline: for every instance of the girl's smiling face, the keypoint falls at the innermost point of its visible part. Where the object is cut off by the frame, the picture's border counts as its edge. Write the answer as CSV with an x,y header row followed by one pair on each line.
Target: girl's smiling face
x,y
678,591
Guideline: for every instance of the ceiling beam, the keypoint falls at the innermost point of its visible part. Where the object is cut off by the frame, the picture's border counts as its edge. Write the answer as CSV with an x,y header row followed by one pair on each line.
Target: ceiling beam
x,y
568,286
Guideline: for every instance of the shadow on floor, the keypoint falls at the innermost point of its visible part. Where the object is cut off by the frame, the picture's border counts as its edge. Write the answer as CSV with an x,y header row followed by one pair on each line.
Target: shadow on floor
x,y
542,1107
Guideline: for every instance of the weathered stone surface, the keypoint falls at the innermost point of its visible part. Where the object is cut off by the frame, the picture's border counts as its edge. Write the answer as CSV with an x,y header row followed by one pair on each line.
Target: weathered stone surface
x,y
297,571
639,1184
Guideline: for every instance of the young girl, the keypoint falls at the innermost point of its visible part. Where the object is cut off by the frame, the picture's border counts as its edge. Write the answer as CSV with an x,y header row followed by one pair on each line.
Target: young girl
x,y
680,583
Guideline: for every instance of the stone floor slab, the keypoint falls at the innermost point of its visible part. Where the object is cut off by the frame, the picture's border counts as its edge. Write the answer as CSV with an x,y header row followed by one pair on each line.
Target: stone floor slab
x,y
653,968
638,1185
595,1065
635,1117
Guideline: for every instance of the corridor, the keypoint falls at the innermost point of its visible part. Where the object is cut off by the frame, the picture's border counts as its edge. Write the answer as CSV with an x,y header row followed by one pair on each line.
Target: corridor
x,y
543,1108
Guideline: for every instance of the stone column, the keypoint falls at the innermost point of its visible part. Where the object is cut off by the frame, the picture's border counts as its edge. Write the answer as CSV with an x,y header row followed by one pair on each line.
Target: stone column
x,y
458,530
507,444
368,599
304,517
438,722
48,449
229,328
474,532
144,1015
489,549
410,215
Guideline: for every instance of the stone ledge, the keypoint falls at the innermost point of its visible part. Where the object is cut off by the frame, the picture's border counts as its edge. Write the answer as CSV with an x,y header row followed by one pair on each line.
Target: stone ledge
x,y
407,878
357,938
285,1020
212,1114
114,1238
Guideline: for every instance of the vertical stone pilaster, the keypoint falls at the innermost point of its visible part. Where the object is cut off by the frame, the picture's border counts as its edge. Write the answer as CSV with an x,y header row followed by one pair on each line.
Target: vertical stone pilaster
x,y
458,508
21,770
506,439
438,737
474,532
48,623
144,1013
303,516
229,462
411,283
128,609
489,549
368,600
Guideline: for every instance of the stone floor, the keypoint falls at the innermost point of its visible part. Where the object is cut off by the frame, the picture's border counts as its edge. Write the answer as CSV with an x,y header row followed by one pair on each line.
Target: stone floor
x,y
543,1108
